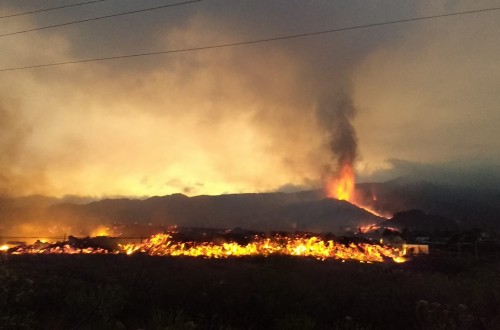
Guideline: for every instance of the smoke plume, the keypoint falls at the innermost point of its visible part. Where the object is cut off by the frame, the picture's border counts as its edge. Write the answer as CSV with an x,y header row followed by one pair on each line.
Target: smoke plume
x,y
337,114
239,119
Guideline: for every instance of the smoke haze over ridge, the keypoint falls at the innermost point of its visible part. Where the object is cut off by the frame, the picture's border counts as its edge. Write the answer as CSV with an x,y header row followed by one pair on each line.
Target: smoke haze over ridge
x,y
242,119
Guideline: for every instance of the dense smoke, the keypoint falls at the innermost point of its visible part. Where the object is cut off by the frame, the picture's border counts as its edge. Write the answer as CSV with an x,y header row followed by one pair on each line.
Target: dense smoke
x,y
282,115
14,132
241,119
336,114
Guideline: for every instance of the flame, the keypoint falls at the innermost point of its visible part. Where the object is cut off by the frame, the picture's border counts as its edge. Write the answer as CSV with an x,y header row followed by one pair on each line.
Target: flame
x,y
100,231
164,245
342,187
4,247
64,249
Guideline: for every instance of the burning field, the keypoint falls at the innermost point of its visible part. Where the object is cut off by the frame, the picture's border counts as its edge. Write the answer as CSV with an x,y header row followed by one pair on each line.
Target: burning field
x,y
201,278
168,245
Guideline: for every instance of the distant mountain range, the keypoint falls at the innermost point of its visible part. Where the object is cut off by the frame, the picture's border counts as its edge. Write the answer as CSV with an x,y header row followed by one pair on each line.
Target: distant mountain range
x,y
469,207
433,207
304,211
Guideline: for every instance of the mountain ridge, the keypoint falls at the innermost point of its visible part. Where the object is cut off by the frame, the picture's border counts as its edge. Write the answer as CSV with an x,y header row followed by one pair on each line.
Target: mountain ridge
x,y
303,211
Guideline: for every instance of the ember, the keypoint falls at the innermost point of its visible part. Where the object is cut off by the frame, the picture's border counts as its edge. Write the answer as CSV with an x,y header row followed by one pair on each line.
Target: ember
x,y
58,248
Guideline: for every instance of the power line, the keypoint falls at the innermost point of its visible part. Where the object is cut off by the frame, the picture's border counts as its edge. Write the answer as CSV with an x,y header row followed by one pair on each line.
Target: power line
x,y
249,42
53,8
99,18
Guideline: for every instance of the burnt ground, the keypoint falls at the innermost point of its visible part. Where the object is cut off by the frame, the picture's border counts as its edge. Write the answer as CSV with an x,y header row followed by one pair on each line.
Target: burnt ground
x,y
142,292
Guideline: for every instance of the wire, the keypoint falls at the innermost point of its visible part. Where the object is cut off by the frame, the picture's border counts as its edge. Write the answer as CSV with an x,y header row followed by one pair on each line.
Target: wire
x,y
249,42
99,18
53,8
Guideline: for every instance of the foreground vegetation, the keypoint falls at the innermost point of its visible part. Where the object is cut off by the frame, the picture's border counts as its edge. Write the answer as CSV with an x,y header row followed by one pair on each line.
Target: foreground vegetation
x,y
142,292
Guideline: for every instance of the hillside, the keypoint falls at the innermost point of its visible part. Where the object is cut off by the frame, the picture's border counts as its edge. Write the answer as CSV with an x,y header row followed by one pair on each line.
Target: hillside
x,y
305,211
444,206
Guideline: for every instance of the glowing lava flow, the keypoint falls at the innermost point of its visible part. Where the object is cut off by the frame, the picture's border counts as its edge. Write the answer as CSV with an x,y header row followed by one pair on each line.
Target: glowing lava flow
x,y
163,245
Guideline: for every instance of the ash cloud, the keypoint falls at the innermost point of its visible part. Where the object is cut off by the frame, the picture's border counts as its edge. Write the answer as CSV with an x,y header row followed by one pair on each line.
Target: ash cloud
x,y
336,115
248,118
14,132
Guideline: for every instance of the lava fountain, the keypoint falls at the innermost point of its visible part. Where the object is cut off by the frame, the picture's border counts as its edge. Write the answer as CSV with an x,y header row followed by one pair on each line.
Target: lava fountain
x,y
342,187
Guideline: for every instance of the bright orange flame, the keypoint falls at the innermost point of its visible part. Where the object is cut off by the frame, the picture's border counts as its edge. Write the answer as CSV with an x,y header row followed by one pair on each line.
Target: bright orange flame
x,y
4,247
342,186
163,245
315,247
100,231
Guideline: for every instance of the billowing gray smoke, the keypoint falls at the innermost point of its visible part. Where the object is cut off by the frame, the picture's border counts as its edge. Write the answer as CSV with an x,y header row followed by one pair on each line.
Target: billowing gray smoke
x,y
249,118
252,118
336,114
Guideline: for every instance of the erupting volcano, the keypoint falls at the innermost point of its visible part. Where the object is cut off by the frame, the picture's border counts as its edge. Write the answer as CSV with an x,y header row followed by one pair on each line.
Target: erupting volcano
x,y
341,186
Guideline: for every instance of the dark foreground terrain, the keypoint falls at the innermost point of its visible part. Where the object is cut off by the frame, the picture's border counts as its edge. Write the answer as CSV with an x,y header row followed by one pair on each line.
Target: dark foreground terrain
x,y
141,292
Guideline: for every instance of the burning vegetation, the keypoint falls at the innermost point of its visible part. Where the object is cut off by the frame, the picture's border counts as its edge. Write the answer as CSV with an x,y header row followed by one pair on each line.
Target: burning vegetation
x,y
165,244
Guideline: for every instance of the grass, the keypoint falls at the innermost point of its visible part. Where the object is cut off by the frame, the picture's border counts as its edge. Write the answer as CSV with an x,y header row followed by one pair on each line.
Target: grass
x,y
142,292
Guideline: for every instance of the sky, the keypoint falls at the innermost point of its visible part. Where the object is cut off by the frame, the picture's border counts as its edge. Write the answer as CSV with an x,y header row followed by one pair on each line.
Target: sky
x,y
422,97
